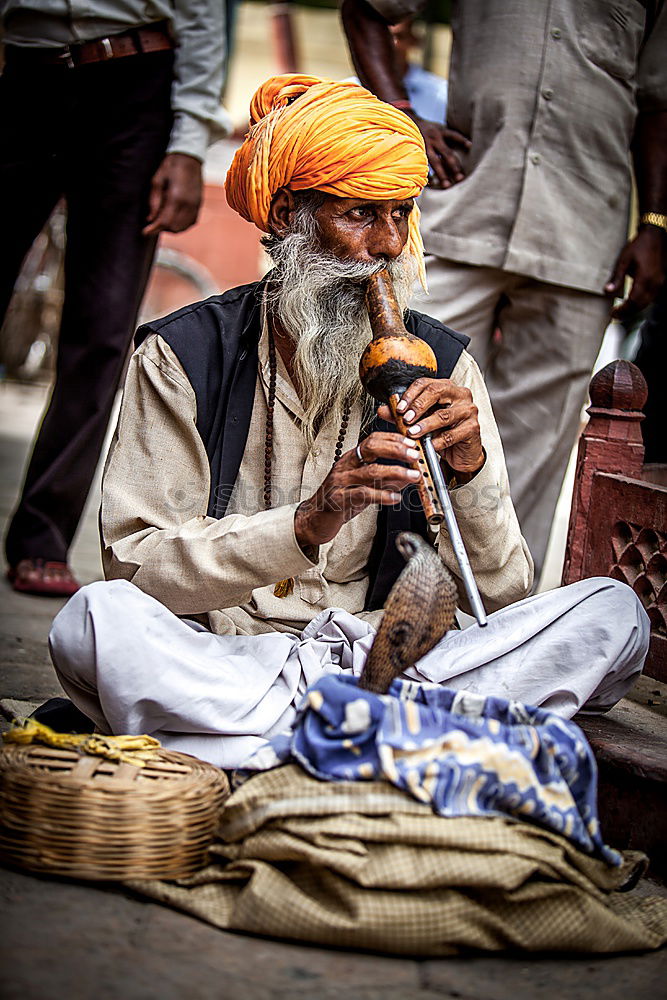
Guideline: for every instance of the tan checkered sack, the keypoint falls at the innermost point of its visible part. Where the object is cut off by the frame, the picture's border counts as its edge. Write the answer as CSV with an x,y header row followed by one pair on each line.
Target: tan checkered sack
x,y
362,865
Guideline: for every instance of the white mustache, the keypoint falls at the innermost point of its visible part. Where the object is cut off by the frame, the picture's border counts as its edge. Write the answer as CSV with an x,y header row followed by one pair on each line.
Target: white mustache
x,y
320,302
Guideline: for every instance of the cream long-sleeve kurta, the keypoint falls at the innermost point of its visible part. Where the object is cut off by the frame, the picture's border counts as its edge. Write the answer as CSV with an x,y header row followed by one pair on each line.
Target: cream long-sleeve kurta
x,y
156,532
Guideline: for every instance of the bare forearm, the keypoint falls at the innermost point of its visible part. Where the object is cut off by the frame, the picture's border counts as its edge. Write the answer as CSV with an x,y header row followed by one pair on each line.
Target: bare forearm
x,y
644,257
374,57
649,151
372,50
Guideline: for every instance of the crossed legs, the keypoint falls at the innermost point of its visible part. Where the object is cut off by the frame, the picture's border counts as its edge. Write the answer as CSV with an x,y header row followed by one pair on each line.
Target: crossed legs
x,y
133,666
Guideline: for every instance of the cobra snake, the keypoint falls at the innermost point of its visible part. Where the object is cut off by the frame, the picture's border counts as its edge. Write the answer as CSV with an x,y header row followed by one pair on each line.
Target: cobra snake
x,y
420,608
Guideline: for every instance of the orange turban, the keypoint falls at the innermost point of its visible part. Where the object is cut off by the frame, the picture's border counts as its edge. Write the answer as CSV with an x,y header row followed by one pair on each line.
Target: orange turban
x,y
306,132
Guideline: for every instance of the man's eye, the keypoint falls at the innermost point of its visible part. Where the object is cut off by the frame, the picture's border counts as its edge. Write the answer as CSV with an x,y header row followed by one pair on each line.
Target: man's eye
x,y
360,213
404,211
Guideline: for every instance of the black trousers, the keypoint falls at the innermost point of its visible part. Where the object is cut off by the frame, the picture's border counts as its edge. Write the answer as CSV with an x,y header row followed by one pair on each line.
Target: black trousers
x,y
95,134
652,361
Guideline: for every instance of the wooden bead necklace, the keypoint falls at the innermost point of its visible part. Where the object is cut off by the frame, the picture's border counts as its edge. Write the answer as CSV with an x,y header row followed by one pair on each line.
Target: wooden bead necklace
x,y
285,587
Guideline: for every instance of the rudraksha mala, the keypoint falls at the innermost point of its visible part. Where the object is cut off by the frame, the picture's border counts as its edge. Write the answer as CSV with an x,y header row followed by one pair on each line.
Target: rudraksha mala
x,y
285,587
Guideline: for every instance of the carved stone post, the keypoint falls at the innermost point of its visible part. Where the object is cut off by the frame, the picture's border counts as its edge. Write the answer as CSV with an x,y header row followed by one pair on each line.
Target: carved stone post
x,y
611,442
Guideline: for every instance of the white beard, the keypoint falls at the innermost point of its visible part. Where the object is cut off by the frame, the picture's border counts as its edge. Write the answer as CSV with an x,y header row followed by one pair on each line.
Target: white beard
x,y
320,303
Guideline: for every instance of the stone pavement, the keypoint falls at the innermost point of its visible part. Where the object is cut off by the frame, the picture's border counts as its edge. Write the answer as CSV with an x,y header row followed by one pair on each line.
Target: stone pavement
x,y
81,941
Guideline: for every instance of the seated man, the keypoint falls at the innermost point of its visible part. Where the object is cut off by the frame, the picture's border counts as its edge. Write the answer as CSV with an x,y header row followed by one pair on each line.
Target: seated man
x,y
251,495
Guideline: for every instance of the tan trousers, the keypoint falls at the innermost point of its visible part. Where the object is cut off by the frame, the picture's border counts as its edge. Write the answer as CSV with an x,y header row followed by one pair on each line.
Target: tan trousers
x,y
537,376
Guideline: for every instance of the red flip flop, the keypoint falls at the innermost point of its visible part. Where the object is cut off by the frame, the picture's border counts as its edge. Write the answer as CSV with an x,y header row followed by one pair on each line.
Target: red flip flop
x,y
47,579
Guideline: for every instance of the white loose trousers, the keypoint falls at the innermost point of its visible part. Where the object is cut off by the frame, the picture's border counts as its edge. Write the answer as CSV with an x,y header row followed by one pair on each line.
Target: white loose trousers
x,y
134,667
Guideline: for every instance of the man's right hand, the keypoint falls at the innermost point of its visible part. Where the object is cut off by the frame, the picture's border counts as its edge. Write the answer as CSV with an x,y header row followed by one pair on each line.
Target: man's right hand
x,y
442,159
175,196
352,486
374,56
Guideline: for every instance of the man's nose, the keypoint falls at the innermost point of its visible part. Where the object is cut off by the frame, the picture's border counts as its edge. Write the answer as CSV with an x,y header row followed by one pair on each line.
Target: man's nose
x,y
387,240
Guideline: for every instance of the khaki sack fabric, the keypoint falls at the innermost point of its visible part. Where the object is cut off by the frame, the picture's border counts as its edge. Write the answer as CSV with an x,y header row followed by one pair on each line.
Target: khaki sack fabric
x,y
361,865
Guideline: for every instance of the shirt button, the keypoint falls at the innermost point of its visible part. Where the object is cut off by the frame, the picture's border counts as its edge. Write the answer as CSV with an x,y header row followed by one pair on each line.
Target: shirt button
x,y
547,93
555,32
535,158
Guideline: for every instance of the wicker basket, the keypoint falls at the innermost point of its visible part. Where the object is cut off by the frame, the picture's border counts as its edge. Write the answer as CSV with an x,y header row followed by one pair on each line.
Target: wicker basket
x,y
88,817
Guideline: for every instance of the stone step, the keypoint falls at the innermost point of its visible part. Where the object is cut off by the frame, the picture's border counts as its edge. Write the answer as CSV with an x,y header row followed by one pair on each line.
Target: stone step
x,y
630,745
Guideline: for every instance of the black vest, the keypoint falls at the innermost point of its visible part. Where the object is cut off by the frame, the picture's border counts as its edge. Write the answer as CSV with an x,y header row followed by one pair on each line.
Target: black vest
x,y
216,343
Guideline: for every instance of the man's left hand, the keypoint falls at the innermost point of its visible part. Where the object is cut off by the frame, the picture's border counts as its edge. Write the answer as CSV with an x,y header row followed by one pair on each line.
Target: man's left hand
x,y
644,259
447,412
441,144
176,194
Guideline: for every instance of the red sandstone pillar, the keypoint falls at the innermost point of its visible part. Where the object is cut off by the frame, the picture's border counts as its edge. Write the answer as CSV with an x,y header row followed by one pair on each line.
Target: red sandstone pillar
x,y
611,442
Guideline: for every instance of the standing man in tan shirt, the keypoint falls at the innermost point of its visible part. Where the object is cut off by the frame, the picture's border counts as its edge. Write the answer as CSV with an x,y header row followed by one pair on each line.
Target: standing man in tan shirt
x,y
526,219
251,495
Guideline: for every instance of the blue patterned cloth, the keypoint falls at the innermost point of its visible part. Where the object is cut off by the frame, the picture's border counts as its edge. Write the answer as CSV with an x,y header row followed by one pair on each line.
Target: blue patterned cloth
x,y
464,754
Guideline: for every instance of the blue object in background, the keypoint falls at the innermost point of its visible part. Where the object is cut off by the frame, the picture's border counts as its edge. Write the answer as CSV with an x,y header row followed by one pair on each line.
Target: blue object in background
x,y
427,93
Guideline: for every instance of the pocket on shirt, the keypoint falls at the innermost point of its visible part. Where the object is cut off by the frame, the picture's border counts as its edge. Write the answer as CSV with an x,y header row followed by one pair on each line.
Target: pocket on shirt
x,y
611,34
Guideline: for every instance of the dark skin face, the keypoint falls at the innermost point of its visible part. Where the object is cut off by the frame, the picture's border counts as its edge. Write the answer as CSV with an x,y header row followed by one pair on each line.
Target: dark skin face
x,y
371,231
350,228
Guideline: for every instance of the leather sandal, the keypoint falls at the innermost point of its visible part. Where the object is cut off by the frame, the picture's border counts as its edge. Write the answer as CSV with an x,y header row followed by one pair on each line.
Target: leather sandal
x,y
48,579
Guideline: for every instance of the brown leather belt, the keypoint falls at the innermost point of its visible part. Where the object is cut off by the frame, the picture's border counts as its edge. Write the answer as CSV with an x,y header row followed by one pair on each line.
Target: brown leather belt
x,y
151,38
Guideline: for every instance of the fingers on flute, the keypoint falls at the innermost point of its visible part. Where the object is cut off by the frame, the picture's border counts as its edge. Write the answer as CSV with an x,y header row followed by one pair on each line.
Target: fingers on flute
x,y
380,477
356,498
382,444
460,412
425,393
466,431
386,498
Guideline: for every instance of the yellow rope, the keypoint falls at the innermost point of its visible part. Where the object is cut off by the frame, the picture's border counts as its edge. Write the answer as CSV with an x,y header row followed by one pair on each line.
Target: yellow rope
x,y
136,750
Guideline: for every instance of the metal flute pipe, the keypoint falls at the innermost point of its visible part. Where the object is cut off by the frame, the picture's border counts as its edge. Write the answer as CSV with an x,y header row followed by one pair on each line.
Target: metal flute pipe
x,y
451,523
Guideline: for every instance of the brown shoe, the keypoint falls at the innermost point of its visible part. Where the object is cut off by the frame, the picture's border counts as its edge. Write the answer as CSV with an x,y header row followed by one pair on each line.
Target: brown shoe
x,y
48,579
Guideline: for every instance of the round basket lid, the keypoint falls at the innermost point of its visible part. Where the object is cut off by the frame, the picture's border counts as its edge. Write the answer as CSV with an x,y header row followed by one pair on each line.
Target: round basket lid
x,y
90,817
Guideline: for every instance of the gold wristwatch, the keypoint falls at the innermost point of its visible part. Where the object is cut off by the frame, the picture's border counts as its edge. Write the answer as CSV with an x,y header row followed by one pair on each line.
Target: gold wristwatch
x,y
654,219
